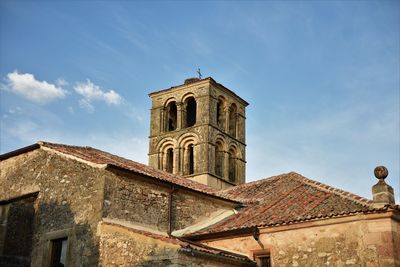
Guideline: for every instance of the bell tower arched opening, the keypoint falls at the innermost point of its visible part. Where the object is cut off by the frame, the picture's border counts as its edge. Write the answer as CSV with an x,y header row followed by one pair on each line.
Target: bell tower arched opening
x,y
191,110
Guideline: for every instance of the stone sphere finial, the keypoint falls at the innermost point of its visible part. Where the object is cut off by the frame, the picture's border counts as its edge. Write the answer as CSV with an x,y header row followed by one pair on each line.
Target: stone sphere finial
x,y
381,172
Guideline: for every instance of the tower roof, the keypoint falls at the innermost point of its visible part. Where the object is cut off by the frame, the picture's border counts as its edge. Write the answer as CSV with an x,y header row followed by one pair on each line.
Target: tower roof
x,y
192,81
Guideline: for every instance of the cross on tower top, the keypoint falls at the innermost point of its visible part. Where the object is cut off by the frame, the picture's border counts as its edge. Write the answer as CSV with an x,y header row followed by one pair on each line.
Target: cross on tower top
x,y
198,72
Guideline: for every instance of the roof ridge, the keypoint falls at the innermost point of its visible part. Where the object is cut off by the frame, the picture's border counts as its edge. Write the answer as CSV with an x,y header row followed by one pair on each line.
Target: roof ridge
x,y
278,177
339,192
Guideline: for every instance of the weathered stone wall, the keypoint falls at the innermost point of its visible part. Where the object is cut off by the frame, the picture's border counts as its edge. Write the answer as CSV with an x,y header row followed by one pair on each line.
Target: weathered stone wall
x,y
120,246
204,132
142,201
130,198
69,201
369,243
190,208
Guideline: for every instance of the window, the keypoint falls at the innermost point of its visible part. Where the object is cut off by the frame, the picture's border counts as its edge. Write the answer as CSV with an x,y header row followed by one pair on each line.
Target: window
x,y
191,109
220,113
191,159
170,160
172,115
219,160
58,253
232,166
263,260
3,225
232,120
16,226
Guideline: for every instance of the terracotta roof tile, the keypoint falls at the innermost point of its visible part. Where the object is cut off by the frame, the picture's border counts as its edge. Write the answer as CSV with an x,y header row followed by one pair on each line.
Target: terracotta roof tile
x,y
100,157
287,198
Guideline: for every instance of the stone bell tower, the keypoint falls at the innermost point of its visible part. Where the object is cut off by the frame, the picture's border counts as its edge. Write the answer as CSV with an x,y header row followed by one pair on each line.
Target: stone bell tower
x,y
197,130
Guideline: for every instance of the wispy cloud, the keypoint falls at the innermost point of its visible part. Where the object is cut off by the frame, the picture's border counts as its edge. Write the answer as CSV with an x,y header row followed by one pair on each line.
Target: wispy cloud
x,y
26,85
92,92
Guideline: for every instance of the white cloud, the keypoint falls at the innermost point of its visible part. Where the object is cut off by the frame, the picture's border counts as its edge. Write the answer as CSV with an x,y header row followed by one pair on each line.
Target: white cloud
x,y
92,92
25,84
85,104
61,82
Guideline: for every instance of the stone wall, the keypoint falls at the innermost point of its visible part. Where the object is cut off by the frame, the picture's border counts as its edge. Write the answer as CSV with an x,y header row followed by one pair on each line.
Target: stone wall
x,y
190,208
203,135
143,201
130,198
120,246
338,242
68,204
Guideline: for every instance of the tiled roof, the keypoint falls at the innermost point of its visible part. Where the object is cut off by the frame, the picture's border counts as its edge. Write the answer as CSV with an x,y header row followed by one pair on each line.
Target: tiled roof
x,y
100,157
285,199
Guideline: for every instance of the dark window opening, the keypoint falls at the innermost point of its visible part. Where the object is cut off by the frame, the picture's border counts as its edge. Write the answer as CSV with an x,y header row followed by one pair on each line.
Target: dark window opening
x,y
191,159
219,161
170,160
263,261
16,226
172,113
232,121
220,113
232,168
191,108
58,252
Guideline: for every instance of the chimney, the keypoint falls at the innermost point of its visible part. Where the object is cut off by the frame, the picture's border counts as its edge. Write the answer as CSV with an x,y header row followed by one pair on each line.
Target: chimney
x,y
382,192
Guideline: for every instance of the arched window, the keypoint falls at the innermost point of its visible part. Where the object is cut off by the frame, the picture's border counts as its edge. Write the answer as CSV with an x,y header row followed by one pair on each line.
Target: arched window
x,y
220,113
170,160
191,109
171,119
232,120
191,159
232,166
219,160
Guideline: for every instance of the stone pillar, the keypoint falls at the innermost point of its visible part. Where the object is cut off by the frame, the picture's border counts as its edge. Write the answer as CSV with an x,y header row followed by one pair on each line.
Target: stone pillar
x,y
181,160
382,192
226,165
180,116
226,126
160,161
175,167
162,120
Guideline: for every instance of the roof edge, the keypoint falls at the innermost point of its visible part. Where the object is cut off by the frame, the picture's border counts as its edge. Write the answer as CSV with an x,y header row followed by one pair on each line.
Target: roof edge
x,y
19,151
297,221
116,167
211,79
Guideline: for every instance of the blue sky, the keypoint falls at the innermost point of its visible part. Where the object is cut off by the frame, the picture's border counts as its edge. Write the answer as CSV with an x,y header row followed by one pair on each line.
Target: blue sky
x,y
322,78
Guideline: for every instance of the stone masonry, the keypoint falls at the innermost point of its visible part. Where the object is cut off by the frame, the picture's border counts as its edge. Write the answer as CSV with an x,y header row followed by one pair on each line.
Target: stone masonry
x,y
197,130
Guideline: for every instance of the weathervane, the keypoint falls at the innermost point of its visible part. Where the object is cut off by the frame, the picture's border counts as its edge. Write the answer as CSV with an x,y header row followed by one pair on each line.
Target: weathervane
x,y
198,72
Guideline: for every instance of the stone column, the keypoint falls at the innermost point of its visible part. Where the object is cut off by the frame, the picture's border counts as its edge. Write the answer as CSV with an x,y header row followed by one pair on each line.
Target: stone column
x,y
162,120
180,160
226,165
175,167
160,161
226,126
180,116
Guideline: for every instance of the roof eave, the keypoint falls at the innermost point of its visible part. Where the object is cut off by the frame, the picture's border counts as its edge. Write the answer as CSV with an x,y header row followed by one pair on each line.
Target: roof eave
x,y
119,168
19,151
